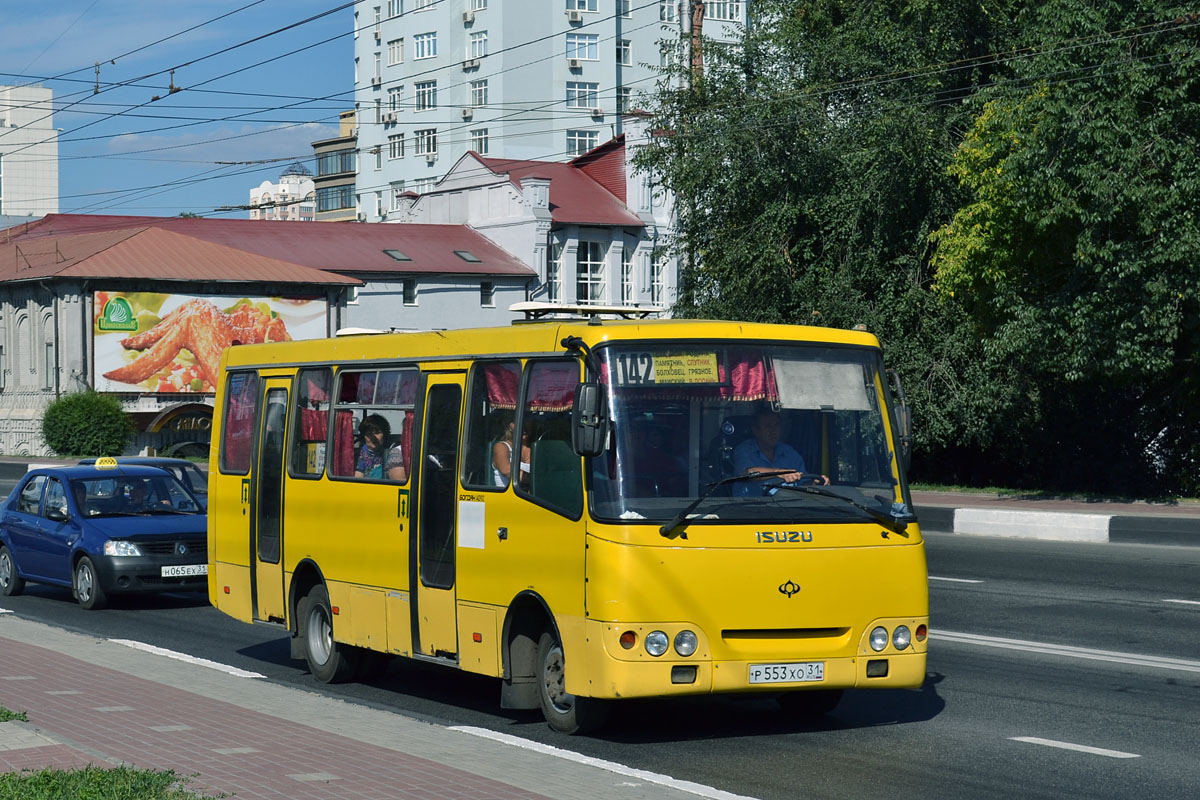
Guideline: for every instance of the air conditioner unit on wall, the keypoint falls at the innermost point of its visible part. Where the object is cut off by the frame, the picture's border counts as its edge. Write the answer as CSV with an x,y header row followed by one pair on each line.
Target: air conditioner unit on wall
x,y
430,158
389,116
471,63
574,16
468,17
376,80
574,63
597,112
467,113
378,34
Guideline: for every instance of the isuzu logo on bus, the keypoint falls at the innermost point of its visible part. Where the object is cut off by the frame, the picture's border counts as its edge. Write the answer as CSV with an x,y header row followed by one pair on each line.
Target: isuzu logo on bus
x,y
782,537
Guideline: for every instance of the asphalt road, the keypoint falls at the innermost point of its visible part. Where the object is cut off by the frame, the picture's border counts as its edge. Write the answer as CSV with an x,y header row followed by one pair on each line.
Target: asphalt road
x,y
998,717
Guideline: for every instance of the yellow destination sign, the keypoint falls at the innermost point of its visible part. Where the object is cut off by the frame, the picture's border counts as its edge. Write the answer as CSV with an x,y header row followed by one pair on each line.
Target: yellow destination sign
x,y
692,368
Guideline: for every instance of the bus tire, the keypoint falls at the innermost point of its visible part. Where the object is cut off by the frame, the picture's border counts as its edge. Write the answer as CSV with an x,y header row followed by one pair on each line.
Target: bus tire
x,y
328,661
11,584
564,712
813,703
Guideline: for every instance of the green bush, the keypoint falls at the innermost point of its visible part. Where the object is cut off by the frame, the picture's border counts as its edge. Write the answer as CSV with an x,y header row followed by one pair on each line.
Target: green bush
x,y
86,424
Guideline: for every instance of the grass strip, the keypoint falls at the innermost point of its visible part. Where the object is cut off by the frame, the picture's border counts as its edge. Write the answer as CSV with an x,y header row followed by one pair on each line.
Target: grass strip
x,y
94,783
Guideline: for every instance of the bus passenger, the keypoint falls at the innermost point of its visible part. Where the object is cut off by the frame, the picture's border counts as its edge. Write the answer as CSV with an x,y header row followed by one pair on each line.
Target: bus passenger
x,y
502,457
378,457
766,454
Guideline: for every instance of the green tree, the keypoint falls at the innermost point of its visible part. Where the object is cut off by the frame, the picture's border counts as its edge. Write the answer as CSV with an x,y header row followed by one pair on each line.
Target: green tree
x,y
86,424
1077,255
809,168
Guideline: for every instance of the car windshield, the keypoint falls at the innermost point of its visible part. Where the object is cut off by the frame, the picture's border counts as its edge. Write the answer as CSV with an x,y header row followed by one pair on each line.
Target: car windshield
x,y
192,477
685,418
132,495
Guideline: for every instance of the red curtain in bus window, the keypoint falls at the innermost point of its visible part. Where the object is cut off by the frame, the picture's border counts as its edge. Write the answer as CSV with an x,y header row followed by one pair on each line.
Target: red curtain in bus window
x,y
343,444
313,424
406,441
502,380
241,410
552,386
749,377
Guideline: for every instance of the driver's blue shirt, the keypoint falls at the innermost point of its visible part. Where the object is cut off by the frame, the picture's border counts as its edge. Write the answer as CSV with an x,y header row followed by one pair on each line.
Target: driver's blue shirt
x,y
747,455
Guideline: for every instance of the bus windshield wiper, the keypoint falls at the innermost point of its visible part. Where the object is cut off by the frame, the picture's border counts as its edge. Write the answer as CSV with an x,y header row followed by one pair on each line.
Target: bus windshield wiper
x,y
679,520
897,523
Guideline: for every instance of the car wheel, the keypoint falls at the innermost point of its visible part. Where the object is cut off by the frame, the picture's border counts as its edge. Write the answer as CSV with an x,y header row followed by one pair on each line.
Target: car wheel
x,y
813,703
10,582
564,712
328,661
88,590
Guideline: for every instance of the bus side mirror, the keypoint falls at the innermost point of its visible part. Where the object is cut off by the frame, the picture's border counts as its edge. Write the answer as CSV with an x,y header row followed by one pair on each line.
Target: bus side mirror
x,y
589,420
903,419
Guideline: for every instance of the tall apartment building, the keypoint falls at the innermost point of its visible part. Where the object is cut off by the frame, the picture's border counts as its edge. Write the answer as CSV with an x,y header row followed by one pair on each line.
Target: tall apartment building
x,y
28,151
337,161
543,80
293,198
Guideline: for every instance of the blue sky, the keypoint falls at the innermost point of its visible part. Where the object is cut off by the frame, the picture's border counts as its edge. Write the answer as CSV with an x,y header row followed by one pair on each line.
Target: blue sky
x,y
269,99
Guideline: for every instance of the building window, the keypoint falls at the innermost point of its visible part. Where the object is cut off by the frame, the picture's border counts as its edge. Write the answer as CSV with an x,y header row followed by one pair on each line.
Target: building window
x,y
668,54
419,5
624,98
335,198
583,45
626,275
425,45
554,272
666,10
378,153
487,294
479,44
395,146
478,5
336,161
581,95
726,10
395,8
581,5
479,141
379,204
624,53
395,52
479,93
394,98
423,185
658,270
378,67
426,95
410,291
589,272
49,382
378,110
426,141
623,8
579,142
396,189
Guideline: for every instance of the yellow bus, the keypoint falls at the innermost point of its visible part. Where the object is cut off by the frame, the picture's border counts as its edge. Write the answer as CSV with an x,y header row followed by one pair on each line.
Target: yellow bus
x,y
586,509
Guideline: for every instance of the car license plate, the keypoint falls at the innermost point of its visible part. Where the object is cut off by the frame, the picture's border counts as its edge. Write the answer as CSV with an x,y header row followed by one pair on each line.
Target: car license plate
x,y
184,570
802,672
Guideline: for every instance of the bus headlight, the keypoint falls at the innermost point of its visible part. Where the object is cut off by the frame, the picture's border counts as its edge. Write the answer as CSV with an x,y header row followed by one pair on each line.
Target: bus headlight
x,y
118,547
685,643
657,643
901,638
879,639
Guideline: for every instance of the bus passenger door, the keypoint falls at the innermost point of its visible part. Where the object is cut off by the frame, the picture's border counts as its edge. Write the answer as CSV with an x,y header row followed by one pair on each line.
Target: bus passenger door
x,y
266,530
433,540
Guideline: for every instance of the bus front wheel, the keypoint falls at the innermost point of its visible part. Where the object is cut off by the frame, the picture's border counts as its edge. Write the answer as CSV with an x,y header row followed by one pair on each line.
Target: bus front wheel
x,y
328,661
564,712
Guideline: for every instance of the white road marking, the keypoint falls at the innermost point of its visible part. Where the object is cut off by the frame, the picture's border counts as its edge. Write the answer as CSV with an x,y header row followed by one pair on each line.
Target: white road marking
x,y
1133,659
1184,602
203,662
697,789
5,611
1081,748
953,580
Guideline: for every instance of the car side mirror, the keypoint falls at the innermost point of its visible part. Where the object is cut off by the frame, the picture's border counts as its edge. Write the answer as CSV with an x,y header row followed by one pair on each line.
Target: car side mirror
x,y
57,514
589,419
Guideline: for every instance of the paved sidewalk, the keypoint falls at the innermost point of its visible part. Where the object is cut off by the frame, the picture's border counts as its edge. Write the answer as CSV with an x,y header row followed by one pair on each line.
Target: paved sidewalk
x,y
94,701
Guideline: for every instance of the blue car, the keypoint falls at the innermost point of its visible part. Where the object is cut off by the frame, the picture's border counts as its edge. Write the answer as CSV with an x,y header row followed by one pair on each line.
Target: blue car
x,y
103,530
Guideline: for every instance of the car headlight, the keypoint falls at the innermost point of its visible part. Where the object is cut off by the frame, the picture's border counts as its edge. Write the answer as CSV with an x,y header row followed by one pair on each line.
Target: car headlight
x,y
685,643
879,639
119,547
901,638
657,643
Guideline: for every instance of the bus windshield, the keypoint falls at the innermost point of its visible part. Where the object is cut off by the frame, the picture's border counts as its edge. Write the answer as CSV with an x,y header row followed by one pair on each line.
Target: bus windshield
x,y
687,418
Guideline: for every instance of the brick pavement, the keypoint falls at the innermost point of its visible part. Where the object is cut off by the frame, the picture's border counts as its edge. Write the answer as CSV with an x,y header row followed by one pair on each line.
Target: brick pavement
x,y
95,701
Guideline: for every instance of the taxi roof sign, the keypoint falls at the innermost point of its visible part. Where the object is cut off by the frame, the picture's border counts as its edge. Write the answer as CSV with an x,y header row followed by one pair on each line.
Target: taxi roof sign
x,y
106,462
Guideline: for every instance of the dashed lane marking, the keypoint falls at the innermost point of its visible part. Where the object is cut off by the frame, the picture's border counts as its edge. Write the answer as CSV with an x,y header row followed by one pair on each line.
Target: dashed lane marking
x,y
1184,602
1133,659
953,580
1079,748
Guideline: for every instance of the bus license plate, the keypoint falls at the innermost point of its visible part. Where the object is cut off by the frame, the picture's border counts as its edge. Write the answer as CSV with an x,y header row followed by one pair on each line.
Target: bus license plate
x,y
184,570
803,672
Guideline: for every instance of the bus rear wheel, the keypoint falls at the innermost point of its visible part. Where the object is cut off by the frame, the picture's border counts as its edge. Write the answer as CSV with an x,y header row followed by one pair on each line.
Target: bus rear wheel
x,y
328,661
564,712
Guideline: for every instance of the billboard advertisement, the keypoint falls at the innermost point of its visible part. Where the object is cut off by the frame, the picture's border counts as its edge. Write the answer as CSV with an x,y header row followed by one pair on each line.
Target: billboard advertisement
x,y
154,342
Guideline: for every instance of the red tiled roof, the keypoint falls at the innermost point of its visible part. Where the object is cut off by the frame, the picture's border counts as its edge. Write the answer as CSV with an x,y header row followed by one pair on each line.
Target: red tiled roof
x,y
246,250
575,196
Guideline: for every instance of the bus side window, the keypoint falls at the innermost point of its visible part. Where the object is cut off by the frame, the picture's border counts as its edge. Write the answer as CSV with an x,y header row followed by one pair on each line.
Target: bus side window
x,y
311,422
237,429
372,434
491,419
555,472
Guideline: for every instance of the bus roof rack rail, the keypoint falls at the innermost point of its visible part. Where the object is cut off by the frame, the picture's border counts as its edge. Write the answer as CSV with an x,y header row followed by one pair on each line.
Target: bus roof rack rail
x,y
534,310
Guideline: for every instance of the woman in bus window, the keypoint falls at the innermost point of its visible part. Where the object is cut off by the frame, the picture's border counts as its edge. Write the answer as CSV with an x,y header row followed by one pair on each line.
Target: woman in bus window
x,y
378,457
502,457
